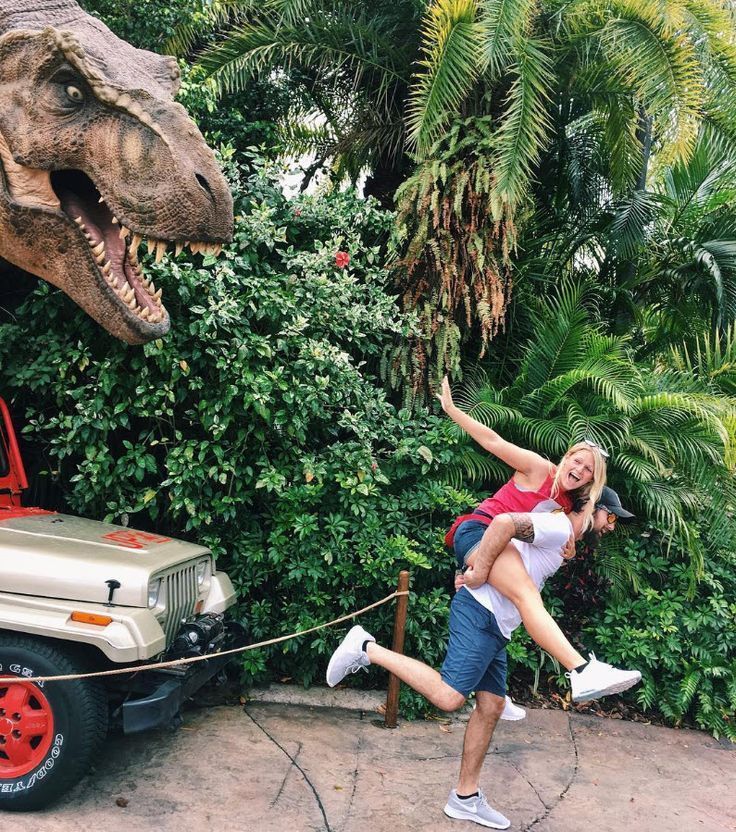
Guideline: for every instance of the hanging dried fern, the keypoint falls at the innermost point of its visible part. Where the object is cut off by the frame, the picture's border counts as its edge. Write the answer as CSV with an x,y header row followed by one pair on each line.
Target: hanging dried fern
x,y
453,269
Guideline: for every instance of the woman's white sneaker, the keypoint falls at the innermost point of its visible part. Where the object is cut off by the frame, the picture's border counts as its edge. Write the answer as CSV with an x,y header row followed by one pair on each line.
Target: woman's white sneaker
x,y
598,679
349,656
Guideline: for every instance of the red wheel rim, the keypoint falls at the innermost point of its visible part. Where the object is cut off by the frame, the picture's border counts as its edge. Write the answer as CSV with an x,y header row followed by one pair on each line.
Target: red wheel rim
x,y
26,728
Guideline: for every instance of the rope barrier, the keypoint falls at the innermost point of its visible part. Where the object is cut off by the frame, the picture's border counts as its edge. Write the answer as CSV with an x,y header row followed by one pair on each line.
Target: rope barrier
x,y
192,659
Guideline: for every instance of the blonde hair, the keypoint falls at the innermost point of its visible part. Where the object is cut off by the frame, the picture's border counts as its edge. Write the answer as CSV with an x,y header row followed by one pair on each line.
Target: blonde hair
x,y
593,490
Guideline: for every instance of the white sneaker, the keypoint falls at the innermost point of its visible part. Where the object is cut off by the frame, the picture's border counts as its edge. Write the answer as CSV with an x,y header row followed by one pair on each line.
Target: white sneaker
x,y
511,711
476,809
600,679
349,656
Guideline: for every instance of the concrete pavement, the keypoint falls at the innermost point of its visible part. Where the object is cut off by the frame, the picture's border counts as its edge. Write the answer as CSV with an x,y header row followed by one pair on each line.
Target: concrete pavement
x,y
274,767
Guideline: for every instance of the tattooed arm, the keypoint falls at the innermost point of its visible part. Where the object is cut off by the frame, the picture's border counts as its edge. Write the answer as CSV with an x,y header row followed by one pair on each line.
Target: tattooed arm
x,y
496,538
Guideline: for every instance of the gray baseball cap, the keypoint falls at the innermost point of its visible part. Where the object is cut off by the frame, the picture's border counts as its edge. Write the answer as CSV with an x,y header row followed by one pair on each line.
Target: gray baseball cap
x,y
609,499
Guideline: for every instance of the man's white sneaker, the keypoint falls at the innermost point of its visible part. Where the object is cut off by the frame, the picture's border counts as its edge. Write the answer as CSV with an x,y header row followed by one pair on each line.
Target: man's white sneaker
x,y
598,679
476,809
511,711
349,656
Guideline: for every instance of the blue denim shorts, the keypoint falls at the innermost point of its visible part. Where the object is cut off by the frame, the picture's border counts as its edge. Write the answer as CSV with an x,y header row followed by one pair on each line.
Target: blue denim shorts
x,y
476,650
467,537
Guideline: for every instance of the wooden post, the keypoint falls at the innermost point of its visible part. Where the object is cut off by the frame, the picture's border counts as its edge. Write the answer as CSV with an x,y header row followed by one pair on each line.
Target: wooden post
x,y
392,697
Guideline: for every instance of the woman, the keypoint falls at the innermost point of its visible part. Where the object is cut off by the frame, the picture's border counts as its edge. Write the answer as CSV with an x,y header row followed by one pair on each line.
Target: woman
x,y
536,484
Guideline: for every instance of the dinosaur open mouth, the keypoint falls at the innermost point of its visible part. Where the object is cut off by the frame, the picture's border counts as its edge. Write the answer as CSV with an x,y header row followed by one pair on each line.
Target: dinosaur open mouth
x,y
115,247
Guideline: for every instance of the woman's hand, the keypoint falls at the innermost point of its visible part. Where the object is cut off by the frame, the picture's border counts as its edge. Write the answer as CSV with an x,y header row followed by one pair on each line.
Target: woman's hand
x,y
445,396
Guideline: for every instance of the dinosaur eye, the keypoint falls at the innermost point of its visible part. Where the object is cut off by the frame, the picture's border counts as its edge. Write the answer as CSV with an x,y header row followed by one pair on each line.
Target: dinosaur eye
x,y
74,93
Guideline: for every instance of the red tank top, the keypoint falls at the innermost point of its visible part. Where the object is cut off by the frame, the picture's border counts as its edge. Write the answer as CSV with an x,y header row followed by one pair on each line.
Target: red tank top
x,y
512,498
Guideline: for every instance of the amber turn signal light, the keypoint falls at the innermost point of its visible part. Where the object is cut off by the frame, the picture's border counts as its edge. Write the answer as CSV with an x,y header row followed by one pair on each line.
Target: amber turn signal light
x,y
91,618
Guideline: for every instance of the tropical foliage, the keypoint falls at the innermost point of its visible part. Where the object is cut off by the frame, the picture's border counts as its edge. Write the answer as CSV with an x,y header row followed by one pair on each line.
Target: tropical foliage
x,y
624,78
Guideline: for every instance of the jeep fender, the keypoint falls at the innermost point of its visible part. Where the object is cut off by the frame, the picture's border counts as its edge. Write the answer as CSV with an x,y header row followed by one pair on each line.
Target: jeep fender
x,y
133,635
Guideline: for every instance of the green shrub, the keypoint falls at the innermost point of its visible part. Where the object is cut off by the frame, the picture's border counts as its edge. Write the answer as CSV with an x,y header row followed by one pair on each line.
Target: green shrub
x,y
684,646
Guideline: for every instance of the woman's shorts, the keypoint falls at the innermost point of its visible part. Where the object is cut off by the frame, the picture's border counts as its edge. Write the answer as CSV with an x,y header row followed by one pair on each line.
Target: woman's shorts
x,y
467,538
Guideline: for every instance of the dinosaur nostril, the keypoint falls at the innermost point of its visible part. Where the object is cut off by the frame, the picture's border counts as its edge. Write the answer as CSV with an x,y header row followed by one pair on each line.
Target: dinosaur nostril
x,y
205,185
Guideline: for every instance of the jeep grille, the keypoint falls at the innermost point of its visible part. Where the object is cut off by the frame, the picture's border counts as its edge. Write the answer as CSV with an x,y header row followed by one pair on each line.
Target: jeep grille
x,y
180,592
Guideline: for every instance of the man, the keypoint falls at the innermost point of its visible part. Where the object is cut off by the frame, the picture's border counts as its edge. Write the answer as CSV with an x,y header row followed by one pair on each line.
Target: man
x,y
476,652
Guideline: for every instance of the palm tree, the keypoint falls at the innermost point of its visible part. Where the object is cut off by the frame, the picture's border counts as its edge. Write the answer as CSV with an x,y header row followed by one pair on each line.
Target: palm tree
x,y
669,429
348,65
664,258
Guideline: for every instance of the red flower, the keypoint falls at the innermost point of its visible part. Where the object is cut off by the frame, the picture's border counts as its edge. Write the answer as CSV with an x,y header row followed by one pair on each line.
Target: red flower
x,y
297,212
342,258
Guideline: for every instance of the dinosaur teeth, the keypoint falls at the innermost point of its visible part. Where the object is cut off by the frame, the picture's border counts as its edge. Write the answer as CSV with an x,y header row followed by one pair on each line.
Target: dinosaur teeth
x,y
157,296
115,221
135,242
78,220
151,287
179,247
160,250
107,268
151,245
99,248
145,314
123,232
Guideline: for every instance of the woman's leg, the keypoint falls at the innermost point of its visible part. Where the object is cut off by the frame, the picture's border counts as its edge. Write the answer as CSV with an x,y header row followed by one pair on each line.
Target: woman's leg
x,y
510,578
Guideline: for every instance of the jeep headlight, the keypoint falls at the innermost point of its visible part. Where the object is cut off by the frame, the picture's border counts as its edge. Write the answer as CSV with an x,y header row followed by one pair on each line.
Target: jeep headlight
x,y
203,571
154,588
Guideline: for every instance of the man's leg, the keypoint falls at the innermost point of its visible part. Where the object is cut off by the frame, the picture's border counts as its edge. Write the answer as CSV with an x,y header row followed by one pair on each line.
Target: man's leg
x,y
478,735
468,802
419,676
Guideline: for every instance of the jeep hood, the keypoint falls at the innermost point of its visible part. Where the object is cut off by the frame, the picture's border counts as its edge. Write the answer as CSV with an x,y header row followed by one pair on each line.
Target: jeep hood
x,y
60,556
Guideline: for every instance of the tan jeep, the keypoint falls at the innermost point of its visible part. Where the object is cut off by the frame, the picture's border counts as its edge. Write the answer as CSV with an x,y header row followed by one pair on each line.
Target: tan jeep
x,y
80,596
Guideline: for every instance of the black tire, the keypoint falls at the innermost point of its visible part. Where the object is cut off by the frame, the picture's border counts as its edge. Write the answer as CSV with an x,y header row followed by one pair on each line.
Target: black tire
x,y
72,723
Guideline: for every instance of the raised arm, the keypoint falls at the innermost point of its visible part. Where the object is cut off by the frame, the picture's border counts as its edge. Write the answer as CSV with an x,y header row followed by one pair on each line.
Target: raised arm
x,y
525,462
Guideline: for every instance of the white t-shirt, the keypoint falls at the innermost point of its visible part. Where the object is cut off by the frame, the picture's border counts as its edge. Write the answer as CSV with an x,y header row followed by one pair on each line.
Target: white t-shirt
x,y
541,559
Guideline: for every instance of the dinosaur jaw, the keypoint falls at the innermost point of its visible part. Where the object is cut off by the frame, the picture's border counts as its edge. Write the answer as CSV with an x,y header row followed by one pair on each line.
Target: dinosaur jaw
x,y
114,250
119,273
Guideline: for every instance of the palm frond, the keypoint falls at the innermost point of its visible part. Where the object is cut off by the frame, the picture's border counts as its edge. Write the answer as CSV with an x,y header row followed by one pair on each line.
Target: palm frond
x,y
451,63
525,124
503,22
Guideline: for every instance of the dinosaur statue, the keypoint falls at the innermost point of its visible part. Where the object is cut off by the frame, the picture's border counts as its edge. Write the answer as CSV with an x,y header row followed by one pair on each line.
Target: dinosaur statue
x,y
95,155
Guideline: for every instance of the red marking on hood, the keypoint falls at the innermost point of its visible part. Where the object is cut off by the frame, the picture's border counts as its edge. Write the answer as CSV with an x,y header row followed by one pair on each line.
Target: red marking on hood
x,y
132,539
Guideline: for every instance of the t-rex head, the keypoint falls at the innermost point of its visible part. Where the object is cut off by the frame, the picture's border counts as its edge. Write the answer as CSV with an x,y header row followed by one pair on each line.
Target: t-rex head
x,y
95,155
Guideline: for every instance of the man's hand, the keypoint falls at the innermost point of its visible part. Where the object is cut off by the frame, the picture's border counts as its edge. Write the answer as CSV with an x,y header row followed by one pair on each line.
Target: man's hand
x,y
445,396
459,580
472,580
568,552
